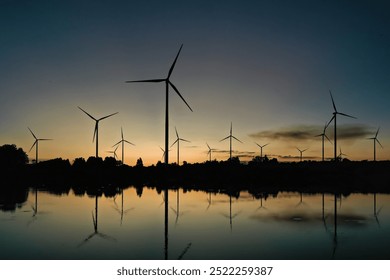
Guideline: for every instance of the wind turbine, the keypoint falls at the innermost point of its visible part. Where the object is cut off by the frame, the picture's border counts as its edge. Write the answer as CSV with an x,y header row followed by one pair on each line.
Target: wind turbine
x,y
123,141
376,140
230,136
96,131
335,113
167,84
323,136
261,149
178,139
36,144
209,151
341,154
301,152
114,152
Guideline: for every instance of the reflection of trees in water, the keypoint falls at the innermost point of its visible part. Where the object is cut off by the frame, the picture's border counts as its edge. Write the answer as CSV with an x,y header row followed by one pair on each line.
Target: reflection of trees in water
x,y
12,197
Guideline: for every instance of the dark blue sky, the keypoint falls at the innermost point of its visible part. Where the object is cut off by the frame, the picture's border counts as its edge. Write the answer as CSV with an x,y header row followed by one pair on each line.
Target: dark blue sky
x,y
267,66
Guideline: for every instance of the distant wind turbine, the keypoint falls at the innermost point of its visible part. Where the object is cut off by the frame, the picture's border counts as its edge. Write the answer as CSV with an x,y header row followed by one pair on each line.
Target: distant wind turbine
x,y
301,152
114,152
335,113
167,84
123,141
96,131
178,139
209,151
261,149
36,144
323,136
375,138
230,137
341,155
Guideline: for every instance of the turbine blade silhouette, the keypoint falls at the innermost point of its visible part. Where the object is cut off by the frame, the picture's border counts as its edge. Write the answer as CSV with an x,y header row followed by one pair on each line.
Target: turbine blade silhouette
x,y
174,142
182,98
107,116
87,114
224,138
147,81
177,134
237,139
378,142
181,139
128,142
32,133
174,63
33,145
334,105
349,116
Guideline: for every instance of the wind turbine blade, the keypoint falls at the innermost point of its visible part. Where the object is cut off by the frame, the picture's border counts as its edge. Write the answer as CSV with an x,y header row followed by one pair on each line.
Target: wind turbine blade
x,y
122,133
378,142
257,144
129,142
208,146
177,134
319,135
231,128
174,62
87,113
330,121
108,116
177,91
237,139
305,150
334,106
349,116
265,145
299,150
44,139
376,134
32,133
94,132
147,81
328,139
162,150
174,143
33,145
181,139
224,138
116,143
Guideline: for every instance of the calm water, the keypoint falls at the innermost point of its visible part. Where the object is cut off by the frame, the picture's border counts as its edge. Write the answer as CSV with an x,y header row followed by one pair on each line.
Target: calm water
x,y
197,225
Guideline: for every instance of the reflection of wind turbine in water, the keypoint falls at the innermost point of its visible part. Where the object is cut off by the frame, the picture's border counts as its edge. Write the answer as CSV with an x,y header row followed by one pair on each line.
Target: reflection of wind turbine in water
x,y
335,113
167,84
323,212
323,136
177,210
209,201
375,139
301,152
166,229
95,227
261,149
261,203
231,216
230,138
178,139
36,144
96,130
121,211
123,141
376,213
335,239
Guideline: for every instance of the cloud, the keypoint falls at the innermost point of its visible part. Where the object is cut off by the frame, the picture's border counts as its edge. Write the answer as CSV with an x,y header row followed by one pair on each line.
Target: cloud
x,y
308,132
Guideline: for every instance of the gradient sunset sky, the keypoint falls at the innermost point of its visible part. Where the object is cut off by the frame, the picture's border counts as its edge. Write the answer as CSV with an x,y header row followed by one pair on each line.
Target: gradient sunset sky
x,y
265,66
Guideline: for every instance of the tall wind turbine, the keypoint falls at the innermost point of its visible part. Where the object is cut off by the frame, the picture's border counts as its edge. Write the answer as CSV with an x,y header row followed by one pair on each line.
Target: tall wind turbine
x,y
261,149
301,152
96,131
36,144
376,140
114,152
123,141
178,139
230,137
323,136
167,84
335,113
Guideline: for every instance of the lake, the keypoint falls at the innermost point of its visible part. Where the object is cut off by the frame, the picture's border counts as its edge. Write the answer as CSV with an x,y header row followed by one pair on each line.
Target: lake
x,y
178,224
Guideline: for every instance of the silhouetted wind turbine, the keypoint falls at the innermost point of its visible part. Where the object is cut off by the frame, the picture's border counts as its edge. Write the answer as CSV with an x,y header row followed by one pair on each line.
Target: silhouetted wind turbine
x,y
261,149
230,137
123,141
178,139
96,131
209,151
167,84
114,152
301,152
36,144
376,140
335,113
323,136
341,154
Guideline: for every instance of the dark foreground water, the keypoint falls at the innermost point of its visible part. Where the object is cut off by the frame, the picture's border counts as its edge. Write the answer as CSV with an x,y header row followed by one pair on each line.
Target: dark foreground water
x,y
197,225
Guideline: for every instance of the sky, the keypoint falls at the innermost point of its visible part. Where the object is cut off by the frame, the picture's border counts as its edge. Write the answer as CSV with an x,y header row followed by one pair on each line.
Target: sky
x,y
264,66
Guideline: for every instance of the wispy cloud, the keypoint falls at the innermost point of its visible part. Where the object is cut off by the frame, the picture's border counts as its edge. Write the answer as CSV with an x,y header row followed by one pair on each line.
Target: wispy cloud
x,y
308,132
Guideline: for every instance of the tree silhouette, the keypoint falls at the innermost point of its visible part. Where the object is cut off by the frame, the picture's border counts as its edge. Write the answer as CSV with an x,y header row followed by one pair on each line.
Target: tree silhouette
x,y
11,156
139,163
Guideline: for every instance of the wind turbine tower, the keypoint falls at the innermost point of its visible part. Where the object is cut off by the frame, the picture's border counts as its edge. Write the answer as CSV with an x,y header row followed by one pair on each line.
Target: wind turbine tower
x,y
375,139
123,141
36,144
301,152
323,136
230,138
178,139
